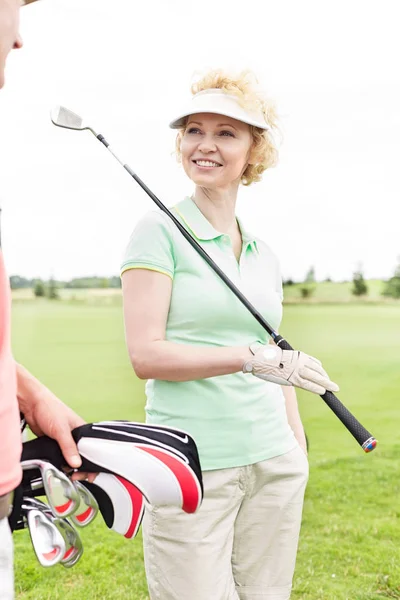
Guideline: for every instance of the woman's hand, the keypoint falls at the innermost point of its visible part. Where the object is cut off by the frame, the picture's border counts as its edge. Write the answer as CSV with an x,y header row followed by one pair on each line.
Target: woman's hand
x,y
289,367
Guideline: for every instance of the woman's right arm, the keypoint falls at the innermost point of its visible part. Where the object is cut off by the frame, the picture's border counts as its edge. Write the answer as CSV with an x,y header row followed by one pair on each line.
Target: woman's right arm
x,y
147,296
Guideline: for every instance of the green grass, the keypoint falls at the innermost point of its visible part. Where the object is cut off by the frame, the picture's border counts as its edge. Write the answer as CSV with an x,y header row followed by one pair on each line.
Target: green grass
x,y
350,542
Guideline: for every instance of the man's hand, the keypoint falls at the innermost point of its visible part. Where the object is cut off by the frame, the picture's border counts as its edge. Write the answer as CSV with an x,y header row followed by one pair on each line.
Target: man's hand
x,y
47,415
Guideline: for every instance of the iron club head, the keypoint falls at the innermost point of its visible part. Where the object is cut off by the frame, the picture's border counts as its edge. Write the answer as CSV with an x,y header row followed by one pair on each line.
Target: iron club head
x,y
88,507
47,541
72,541
63,117
61,493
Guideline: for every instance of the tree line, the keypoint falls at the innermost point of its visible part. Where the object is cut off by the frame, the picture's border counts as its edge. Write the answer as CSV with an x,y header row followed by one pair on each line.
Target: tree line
x,y
18,282
359,284
50,287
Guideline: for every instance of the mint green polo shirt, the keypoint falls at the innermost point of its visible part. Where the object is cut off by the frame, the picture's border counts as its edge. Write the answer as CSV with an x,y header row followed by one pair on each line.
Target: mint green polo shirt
x,y
236,419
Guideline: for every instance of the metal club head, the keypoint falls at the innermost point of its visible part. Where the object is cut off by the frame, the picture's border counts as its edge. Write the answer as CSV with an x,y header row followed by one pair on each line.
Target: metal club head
x,y
29,503
88,508
73,543
63,117
61,493
47,541
35,503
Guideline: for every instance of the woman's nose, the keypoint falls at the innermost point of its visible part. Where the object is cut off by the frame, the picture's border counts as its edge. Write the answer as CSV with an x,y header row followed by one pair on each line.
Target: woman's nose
x,y
207,144
18,42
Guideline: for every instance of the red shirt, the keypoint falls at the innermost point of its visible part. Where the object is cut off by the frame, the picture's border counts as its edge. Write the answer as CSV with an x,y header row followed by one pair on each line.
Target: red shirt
x,y
10,434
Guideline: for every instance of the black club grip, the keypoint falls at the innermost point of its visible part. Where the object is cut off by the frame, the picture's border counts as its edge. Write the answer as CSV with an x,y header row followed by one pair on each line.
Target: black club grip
x,y
362,435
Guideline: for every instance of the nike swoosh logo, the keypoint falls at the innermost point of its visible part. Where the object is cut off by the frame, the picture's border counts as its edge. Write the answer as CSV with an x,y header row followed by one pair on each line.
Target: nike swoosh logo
x,y
145,440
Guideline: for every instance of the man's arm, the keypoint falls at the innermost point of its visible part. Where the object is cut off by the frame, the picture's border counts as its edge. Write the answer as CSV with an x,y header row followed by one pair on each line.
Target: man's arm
x,y
47,415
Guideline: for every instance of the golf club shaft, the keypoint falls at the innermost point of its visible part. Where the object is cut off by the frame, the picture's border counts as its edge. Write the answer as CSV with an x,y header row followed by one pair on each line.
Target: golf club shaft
x,y
362,435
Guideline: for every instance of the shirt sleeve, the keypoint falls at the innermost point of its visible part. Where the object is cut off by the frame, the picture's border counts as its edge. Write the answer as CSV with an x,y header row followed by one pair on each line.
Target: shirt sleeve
x,y
274,275
279,281
151,246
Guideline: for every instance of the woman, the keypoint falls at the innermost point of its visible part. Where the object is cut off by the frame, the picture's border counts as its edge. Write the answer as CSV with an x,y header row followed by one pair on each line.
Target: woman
x,y
197,345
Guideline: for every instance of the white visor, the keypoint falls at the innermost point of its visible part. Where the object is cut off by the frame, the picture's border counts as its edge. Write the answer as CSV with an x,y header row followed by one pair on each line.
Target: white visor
x,y
217,102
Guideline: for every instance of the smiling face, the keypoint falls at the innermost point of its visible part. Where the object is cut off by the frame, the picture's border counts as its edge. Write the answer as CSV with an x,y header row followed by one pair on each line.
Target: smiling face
x,y
215,150
9,32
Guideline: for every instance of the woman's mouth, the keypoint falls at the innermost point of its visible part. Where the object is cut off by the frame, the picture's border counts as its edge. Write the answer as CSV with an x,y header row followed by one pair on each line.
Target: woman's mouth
x,y
206,164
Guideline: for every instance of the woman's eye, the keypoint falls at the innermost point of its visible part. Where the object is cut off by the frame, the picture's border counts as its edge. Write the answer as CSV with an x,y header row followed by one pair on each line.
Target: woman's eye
x,y
225,132
193,130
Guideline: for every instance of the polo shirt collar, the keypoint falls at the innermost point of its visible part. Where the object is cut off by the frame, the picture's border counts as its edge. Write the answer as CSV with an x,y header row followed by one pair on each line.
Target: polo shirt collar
x,y
201,228
247,237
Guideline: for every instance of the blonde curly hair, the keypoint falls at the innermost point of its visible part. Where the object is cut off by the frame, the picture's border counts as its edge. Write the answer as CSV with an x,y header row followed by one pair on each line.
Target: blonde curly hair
x,y
245,87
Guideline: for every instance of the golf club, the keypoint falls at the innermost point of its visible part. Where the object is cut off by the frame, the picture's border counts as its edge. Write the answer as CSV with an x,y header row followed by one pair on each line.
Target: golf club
x,y
32,503
47,541
72,541
61,493
120,503
63,117
36,503
88,508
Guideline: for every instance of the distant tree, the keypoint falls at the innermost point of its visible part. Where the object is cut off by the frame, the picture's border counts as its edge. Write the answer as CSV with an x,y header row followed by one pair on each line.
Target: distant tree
x,y
39,288
328,279
115,282
310,277
17,282
359,288
94,282
392,286
52,289
289,282
307,289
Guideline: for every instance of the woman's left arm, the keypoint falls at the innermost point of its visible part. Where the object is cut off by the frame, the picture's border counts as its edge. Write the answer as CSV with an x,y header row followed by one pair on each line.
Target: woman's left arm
x,y
293,416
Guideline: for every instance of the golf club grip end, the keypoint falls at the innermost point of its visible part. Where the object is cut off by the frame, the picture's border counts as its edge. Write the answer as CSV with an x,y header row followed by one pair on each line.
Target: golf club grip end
x,y
369,445
362,435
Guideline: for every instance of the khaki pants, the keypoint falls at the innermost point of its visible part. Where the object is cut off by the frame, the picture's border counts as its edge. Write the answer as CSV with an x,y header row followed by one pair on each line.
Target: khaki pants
x,y
242,542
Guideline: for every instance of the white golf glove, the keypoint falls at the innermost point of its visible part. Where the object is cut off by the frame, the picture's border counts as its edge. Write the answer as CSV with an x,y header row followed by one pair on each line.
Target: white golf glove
x,y
288,367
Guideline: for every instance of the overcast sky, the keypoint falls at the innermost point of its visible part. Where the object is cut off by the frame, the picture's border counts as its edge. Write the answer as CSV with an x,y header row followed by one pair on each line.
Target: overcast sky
x,y
126,66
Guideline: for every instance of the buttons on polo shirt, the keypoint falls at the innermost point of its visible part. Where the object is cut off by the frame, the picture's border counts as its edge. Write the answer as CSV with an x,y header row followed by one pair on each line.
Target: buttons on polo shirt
x,y
226,240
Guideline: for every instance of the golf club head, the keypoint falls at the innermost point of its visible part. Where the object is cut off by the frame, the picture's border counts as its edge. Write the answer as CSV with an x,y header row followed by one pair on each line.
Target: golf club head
x,y
63,117
73,543
61,493
36,503
29,503
88,507
47,541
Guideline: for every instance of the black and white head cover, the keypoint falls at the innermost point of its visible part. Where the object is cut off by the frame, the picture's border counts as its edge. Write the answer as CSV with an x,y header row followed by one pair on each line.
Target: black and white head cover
x,y
136,462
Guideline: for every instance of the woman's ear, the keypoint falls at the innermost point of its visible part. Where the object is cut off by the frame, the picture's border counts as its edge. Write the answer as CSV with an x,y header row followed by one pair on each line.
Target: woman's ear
x,y
253,157
178,142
